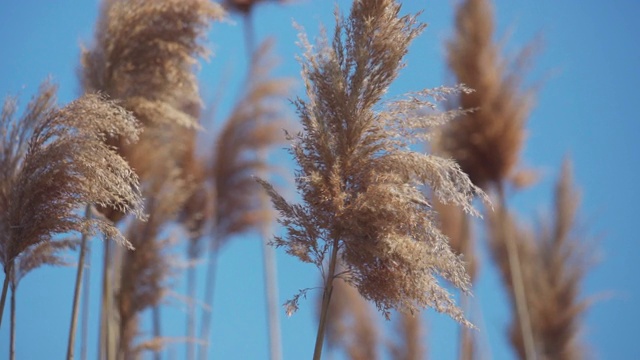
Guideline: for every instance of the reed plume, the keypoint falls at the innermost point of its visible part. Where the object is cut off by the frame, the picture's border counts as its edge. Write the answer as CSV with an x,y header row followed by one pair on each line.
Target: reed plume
x,y
55,160
553,273
145,53
487,141
357,177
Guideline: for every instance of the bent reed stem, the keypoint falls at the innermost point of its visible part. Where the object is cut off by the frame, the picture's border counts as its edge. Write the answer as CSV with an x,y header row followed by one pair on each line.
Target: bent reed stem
x,y
326,299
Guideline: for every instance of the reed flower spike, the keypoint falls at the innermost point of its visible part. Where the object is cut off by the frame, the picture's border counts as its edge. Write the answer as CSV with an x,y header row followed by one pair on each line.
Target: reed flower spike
x,y
360,182
54,161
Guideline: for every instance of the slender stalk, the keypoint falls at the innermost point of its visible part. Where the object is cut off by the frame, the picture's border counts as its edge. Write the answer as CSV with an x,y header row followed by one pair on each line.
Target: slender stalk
x,y
326,299
268,254
105,312
5,287
155,312
271,294
113,321
191,316
205,328
86,290
517,283
12,341
76,293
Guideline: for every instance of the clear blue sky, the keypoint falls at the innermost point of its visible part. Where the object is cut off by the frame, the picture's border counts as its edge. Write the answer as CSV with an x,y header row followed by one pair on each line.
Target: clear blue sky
x,y
586,108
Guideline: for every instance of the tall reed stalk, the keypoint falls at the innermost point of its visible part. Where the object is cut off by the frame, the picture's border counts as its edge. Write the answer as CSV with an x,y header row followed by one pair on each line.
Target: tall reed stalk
x,y
5,288
326,300
12,340
76,293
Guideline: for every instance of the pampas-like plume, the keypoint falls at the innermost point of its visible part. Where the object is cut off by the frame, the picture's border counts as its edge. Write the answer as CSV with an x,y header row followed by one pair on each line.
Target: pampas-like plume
x,y
486,142
145,52
56,160
555,267
358,179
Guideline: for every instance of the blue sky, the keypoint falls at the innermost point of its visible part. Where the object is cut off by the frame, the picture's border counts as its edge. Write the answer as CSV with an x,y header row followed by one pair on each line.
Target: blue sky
x,y
586,108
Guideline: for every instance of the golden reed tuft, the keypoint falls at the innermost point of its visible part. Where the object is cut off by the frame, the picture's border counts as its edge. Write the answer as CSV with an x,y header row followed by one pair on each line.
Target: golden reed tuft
x,y
357,178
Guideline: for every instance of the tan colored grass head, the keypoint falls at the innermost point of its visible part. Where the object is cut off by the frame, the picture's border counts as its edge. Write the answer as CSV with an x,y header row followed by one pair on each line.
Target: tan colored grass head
x,y
54,161
357,177
486,142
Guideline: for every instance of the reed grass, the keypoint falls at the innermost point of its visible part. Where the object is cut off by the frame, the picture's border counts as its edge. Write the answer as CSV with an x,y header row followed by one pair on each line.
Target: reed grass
x,y
357,179
385,225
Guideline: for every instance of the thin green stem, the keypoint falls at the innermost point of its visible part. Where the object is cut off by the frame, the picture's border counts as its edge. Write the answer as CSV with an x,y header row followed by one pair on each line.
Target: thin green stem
x,y
517,283
326,299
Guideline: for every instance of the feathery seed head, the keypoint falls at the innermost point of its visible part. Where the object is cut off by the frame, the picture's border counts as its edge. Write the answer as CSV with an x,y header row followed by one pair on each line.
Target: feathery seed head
x,y
56,160
357,177
487,141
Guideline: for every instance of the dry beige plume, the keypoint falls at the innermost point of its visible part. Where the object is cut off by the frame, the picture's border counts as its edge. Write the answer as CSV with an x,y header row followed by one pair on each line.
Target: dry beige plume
x,y
56,160
358,179
554,263
53,162
486,142
145,52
